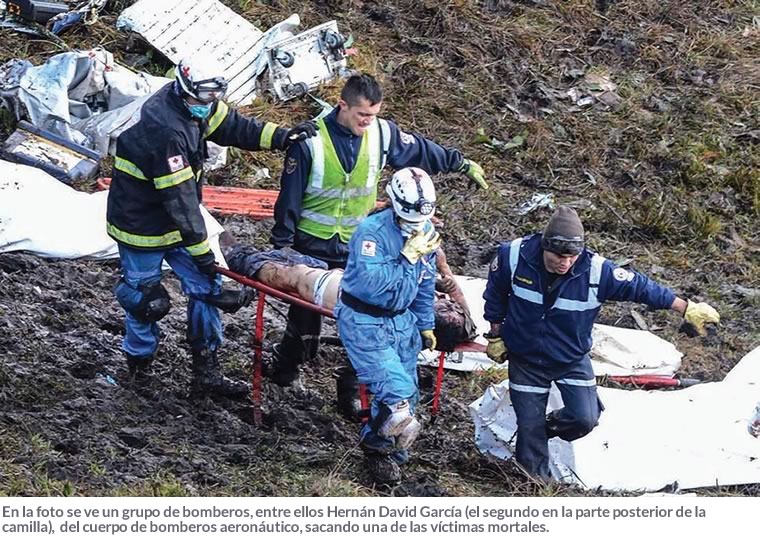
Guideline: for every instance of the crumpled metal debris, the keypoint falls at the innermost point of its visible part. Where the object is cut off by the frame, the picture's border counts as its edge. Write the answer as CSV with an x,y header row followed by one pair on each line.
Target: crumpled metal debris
x,y
69,87
85,12
538,200
595,88
277,61
49,23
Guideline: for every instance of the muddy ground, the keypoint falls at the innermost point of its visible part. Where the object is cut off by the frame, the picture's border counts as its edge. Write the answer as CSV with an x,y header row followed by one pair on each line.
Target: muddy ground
x,y
664,169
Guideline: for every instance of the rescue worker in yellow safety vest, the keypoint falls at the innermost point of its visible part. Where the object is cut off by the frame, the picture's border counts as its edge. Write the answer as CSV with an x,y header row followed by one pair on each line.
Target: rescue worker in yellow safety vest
x,y
329,185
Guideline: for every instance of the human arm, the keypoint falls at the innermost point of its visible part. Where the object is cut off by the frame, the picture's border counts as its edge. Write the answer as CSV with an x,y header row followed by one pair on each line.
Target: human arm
x,y
623,285
496,296
377,273
498,288
287,208
174,179
410,149
422,306
228,127
447,283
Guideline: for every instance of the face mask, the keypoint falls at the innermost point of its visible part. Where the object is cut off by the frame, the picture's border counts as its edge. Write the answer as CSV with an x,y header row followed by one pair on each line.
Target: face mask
x,y
407,228
200,111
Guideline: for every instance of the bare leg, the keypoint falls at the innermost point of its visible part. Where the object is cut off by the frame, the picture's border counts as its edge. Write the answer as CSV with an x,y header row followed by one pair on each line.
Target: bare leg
x,y
304,282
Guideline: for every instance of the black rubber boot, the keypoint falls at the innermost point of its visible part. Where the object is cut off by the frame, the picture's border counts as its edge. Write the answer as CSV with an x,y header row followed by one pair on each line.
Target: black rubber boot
x,y
552,425
383,469
230,301
208,378
347,388
284,368
139,367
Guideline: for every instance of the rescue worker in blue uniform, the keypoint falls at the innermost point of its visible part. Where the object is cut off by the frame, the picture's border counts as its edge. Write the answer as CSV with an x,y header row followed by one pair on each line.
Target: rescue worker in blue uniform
x,y
154,214
329,184
543,295
385,312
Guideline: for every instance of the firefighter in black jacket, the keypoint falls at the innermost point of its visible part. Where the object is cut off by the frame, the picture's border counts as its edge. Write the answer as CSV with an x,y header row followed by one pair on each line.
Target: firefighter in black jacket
x,y
154,214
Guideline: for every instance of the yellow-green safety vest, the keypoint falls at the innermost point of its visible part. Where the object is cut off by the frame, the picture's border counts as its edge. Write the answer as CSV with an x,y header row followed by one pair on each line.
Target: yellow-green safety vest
x,y
334,201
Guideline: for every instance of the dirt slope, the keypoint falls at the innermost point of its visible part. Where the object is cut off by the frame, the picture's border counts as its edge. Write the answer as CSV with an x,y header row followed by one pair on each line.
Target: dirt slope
x,y
664,168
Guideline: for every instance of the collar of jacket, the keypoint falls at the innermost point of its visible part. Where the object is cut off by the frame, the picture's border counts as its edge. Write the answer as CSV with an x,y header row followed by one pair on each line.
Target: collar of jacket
x,y
331,119
533,254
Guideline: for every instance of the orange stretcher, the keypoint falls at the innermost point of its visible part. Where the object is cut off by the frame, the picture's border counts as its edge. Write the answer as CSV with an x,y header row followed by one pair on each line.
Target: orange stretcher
x,y
258,341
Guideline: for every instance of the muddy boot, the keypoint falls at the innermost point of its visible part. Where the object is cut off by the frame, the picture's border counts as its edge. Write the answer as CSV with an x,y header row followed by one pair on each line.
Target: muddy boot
x,y
230,301
400,456
383,469
347,386
552,425
284,369
139,367
208,378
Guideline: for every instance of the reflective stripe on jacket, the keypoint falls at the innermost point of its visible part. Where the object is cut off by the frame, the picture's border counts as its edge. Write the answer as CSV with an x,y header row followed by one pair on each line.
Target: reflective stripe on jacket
x,y
155,194
335,201
556,327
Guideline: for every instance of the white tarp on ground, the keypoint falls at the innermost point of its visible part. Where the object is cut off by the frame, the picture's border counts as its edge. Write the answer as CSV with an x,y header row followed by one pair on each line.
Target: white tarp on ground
x,y
647,440
616,351
39,214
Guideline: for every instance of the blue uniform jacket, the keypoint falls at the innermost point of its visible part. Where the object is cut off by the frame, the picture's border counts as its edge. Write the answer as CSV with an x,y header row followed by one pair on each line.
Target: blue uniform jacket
x,y
406,150
169,144
378,275
557,328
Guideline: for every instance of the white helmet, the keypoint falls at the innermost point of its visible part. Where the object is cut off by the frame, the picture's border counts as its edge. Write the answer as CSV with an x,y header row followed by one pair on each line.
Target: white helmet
x,y
413,195
198,75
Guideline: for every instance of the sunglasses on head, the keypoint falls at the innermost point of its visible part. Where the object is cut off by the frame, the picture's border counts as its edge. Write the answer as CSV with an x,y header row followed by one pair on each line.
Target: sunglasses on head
x,y
563,245
211,89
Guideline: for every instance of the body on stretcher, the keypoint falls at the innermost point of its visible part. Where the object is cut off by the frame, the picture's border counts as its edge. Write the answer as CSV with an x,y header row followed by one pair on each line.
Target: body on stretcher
x,y
327,298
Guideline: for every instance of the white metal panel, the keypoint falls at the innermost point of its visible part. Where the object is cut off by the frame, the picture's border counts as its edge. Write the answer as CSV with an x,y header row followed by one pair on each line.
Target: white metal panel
x,y
178,28
313,61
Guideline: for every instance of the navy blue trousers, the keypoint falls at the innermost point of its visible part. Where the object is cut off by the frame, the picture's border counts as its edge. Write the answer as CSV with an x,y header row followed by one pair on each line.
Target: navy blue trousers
x,y
529,390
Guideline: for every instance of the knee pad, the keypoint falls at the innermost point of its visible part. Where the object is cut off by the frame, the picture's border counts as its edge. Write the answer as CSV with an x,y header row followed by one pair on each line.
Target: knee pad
x,y
396,422
155,303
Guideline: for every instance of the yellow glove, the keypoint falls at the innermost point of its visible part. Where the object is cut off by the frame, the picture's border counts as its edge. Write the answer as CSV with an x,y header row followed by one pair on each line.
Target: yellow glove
x,y
496,349
428,339
697,315
420,244
475,172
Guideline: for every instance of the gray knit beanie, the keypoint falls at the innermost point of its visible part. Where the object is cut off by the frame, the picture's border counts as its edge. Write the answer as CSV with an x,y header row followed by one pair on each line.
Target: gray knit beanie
x,y
564,232
564,223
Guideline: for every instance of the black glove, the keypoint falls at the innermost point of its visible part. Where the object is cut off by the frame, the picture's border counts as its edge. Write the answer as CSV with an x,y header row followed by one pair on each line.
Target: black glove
x,y
206,264
300,132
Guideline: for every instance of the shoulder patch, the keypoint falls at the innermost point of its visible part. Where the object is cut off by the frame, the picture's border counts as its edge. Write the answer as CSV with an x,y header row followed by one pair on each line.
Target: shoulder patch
x,y
495,262
369,248
406,139
176,163
622,275
290,165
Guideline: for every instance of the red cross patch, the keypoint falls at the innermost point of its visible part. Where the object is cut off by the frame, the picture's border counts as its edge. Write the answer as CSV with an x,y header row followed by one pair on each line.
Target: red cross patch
x,y
368,248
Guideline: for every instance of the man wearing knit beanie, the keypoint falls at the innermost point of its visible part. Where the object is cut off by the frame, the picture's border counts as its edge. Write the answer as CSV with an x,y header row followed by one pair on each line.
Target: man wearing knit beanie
x,y
543,295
